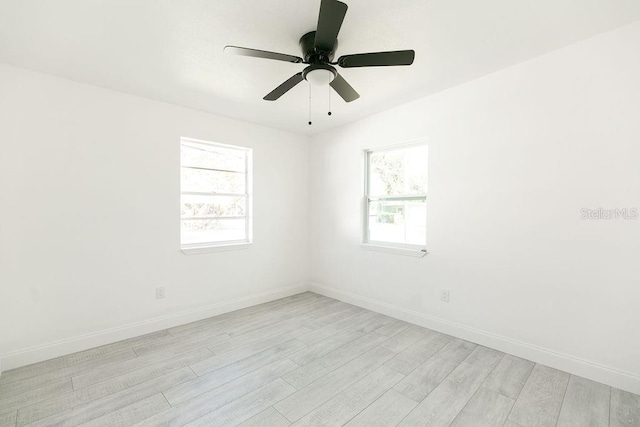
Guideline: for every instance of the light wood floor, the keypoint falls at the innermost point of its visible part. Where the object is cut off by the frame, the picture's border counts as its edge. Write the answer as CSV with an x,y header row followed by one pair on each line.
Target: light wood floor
x,y
304,360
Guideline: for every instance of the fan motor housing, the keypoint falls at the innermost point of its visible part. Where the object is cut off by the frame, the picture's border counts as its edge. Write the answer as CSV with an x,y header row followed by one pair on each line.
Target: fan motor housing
x,y
309,52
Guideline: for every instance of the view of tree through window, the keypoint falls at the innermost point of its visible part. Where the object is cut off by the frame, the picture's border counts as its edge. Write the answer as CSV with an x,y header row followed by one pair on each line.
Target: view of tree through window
x,y
396,196
214,193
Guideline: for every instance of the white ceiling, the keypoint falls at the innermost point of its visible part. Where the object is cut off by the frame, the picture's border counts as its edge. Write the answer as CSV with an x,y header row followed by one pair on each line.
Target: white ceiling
x,y
171,50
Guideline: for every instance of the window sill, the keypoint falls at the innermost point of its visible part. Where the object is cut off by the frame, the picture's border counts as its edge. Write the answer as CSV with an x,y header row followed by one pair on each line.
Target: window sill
x,y
416,253
193,250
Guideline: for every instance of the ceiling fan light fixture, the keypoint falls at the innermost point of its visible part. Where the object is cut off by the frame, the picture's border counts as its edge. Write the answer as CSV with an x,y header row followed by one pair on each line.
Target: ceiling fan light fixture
x,y
320,76
318,50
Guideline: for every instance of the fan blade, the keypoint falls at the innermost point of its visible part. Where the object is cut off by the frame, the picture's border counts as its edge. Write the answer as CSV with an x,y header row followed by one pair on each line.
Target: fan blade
x,y
344,89
377,59
284,87
329,22
243,51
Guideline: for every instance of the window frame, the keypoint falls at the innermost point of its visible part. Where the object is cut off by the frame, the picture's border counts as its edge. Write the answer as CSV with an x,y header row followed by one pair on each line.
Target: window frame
x,y
384,246
225,245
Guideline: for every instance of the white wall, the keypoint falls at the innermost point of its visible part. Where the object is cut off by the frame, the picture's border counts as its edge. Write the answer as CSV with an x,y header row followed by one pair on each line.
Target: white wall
x,y
513,158
89,209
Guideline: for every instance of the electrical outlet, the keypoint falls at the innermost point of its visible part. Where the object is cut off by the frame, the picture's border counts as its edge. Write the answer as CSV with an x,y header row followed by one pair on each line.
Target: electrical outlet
x,y
160,293
444,295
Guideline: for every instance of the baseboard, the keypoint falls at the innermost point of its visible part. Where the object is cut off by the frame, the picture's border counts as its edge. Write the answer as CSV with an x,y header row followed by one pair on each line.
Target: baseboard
x,y
48,351
574,365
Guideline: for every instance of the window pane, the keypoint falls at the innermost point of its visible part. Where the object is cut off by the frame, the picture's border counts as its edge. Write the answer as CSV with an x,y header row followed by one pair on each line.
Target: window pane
x,y
212,181
398,172
211,231
398,221
210,157
206,206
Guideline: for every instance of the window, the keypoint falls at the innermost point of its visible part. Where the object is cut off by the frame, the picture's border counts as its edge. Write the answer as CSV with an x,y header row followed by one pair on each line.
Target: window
x,y
396,197
215,206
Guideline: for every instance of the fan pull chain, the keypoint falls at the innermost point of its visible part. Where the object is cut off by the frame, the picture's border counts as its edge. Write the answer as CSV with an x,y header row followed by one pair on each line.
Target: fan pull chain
x,y
309,105
329,113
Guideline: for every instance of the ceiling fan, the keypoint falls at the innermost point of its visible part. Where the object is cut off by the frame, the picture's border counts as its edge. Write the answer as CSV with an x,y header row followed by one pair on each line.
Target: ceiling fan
x,y
318,49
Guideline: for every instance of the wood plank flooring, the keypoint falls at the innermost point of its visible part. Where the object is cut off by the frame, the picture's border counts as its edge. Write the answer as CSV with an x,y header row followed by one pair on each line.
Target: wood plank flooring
x,y
305,360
